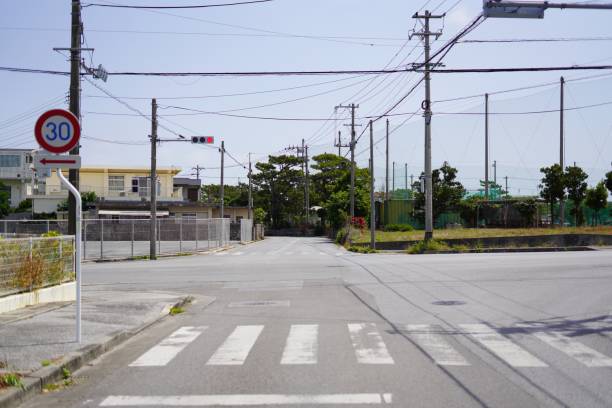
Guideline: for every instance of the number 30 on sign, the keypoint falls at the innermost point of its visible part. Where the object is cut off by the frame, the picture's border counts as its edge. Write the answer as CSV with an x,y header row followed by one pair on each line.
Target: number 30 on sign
x,y
57,131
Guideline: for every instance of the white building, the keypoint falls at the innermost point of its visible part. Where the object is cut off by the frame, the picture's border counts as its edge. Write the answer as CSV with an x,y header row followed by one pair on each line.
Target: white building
x,y
15,174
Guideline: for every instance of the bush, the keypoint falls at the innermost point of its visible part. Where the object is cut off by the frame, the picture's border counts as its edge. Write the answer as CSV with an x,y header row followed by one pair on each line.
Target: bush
x,y
30,272
398,227
341,236
361,249
359,222
432,245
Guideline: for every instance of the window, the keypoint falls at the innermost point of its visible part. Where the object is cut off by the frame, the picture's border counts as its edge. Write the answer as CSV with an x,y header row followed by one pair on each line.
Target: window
x,y
116,184
135,185
10,160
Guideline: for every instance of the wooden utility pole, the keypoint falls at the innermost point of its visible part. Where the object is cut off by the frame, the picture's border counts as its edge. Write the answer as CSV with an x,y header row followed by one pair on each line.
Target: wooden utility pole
x,y
222,186
153,182
75,101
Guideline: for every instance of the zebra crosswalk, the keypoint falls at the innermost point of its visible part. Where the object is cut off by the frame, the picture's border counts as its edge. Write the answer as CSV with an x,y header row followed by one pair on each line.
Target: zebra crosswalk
x,y
443,346
277,253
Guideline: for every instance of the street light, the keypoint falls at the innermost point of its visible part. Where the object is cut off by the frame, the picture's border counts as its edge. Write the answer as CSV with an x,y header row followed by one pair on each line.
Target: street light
x,y
531,9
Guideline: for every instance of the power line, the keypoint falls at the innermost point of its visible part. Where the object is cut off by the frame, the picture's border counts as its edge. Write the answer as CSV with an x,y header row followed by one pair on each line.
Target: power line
x,y
534,40
175,7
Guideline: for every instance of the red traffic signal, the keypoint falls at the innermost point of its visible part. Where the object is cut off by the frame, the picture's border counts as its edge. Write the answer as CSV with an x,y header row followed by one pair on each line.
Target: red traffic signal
x,y
203,139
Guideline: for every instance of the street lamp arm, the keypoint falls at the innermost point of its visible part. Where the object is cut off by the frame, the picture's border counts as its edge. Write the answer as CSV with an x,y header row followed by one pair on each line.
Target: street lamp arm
x,y
546,5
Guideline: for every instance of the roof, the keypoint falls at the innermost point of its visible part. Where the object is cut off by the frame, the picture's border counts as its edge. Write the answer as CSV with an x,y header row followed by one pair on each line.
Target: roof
x,y
186,181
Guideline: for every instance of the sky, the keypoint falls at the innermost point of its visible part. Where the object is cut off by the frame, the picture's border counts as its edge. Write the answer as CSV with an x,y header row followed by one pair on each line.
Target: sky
x,y
298,35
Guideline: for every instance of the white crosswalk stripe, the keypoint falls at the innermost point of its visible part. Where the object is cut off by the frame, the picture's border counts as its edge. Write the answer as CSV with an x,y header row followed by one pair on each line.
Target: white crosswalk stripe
x,y
368,344
237,253
237,346
569,346
429,338
301,345
168,348
501,346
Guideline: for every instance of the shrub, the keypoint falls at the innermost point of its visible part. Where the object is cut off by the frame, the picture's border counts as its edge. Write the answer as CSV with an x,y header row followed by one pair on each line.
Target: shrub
x,y
361,249
341,236
398,227
359,222
432,245
30,272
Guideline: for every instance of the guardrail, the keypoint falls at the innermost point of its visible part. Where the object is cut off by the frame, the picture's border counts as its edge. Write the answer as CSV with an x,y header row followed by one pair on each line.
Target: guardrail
x,y
31,263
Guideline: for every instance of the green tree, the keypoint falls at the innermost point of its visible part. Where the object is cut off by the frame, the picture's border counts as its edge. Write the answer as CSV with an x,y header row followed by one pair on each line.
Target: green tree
x,y
527,208
552,187
5,202
259,214
279,185
575,182
235,196
447,192
596,200
609,181
88,200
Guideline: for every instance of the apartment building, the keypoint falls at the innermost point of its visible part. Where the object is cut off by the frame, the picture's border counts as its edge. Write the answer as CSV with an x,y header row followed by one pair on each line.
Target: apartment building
x,y
15,174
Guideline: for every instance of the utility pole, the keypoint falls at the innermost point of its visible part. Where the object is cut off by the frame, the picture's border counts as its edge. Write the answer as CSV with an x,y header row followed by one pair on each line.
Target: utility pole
x,y
197,169
250,191
506,177
411,181
406,176
352,107
307,183
222,187
387,162
372,204
495,172
393,179
425,35
339,144
486,186
153,182
561,149
75,101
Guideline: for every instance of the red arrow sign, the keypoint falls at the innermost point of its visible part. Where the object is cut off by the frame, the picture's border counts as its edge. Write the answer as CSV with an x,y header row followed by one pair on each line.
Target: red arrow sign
x,y
49,161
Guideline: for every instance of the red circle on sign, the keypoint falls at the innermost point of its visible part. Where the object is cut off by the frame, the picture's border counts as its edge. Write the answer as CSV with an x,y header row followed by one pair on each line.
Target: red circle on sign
x,y
38,131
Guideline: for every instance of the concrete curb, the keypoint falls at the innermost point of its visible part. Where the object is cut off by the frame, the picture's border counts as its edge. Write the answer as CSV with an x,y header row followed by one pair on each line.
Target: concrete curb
x,y
212,251
34,382
496,250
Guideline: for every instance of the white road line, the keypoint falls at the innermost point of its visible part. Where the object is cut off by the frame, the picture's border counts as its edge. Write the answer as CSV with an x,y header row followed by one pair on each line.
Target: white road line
x,y
236,347
221,253
571,347
502,347
237,253
301,346
246,400
322,253
435,346
368,344
168,348
338,253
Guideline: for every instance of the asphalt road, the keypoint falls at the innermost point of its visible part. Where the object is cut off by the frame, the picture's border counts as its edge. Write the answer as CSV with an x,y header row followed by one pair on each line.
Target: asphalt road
x,y
298,322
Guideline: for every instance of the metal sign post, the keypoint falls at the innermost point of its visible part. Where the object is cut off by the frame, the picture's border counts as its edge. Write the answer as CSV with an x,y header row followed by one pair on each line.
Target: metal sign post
x,y
58,131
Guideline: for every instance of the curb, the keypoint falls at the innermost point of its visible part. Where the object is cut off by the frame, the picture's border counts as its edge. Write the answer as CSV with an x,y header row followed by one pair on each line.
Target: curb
x,y
497,250
212,251
34,382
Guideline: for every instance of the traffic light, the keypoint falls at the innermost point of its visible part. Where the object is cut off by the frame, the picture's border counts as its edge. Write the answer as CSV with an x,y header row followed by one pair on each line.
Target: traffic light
x,y
203,139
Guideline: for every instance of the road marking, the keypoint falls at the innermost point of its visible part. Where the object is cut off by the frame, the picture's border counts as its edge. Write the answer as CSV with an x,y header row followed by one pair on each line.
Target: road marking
x,y
435,346
368,344
237,253
246,400
338,253
301,346
502,347
252,286
221,253
567,345
237,346
261,303
322,253
168,348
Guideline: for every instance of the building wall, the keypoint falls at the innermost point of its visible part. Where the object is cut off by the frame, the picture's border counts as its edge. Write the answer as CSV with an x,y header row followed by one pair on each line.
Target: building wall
x,y
15,173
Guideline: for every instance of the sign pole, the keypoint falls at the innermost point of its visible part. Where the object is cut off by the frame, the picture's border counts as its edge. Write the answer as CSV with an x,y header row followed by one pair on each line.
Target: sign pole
x,y
77,245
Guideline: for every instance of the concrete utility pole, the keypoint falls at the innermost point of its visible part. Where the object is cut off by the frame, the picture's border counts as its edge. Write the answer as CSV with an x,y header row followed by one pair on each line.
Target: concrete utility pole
x,y
506,177
562,148
339,144
75,101
197,169
307,182
352,107
393,179
411,181
495,172
250,191
387,162
425,34
486,186
222,186
153,182
372,203
406,176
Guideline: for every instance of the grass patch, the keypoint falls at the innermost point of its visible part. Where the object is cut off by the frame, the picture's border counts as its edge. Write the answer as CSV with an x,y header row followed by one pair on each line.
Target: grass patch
x,y
45,363
361,249
140,258
388,236
174,310
398,227
51,387
10,380
433,245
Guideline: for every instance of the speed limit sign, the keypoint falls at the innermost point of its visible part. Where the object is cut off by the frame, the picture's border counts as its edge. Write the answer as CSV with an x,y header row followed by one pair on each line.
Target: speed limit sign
x,y
57,131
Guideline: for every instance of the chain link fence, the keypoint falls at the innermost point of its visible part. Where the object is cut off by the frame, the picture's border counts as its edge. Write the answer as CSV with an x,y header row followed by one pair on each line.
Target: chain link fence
x,y
130,238
31,263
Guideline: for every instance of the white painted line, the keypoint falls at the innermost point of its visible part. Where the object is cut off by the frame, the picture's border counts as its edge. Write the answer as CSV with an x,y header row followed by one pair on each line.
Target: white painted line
x,y
221,253
427,336
237,346
302,344
246,400
571,347
368,344
502,347
261,303
338,253
168,348
322,253
237,253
